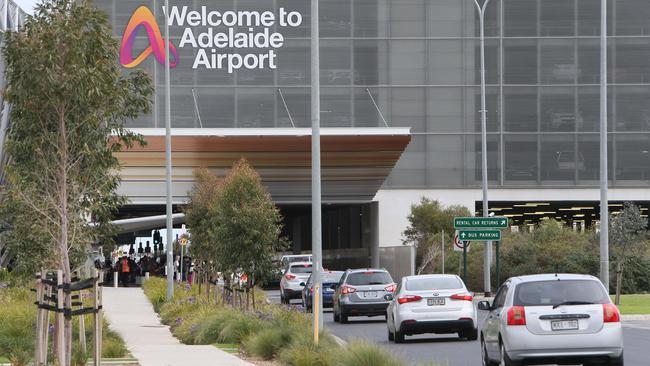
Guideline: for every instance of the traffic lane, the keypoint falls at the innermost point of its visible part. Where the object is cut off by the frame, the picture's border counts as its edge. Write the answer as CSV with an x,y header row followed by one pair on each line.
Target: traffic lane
x,y
635,343
445,349
448,349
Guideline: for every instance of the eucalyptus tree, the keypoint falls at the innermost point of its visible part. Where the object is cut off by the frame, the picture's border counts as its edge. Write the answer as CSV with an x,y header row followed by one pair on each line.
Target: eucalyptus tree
x,y
628,235
70,100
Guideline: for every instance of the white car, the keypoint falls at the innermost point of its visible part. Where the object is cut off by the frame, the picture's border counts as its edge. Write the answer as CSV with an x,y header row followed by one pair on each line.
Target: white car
x,y
431,304
550,319
293,279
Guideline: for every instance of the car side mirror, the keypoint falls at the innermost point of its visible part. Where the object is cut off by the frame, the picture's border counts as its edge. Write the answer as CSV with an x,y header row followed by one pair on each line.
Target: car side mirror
x,y
388,297
302,284
484,305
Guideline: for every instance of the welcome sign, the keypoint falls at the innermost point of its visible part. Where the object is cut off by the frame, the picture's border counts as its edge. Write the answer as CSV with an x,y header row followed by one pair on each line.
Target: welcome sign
x,y
244,39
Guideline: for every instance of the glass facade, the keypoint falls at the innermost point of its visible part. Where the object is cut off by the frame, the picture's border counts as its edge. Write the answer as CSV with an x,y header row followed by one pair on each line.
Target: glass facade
x,y
419,61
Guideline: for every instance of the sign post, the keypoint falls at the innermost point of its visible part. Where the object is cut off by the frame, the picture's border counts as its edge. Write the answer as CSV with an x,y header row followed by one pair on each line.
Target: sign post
x,y
486,229
481,235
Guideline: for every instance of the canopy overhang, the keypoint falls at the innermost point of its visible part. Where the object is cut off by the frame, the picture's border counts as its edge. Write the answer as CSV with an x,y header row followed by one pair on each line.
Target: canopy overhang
x,y
354,161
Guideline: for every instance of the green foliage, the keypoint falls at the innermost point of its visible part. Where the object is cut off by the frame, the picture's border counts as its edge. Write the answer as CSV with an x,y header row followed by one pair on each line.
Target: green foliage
x,y
197,215
550,248
303,352
247,224
365,354
155,289
238,328
426,221
18,325
268,342
69,104
234,224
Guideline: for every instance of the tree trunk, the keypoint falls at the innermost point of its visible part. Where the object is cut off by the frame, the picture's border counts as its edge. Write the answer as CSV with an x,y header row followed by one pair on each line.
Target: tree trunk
x,y
619,282
207,287
253,294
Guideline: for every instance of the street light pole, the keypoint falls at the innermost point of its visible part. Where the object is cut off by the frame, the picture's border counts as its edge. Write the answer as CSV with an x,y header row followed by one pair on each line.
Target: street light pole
x,y
488,245
316,238
604,211
168,163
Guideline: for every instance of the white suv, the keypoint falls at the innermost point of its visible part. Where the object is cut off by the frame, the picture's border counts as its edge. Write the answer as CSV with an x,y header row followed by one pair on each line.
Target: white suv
x,y
431,304
293,279
549,319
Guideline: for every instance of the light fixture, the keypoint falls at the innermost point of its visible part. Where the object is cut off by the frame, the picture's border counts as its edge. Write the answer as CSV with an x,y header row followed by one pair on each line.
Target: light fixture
x,y
579,215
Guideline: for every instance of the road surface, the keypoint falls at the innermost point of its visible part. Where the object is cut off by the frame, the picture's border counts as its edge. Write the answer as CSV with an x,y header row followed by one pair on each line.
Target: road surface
x,y
448,350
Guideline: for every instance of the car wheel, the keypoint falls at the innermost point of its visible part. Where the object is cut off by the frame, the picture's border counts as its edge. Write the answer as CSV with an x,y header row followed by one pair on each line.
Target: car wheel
x,y
484,356
343,317
616,361
470,334
399,336
391,336
505,359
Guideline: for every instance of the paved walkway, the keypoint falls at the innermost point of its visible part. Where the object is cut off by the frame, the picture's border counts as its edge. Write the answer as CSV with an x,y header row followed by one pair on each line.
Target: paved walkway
x,y
132,316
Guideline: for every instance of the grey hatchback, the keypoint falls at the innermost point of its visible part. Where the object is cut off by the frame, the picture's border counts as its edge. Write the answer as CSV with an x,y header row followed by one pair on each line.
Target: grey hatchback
x,y
362,292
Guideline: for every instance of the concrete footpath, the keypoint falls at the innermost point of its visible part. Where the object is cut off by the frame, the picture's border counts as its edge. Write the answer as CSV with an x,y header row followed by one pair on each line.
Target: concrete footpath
x,y
132,316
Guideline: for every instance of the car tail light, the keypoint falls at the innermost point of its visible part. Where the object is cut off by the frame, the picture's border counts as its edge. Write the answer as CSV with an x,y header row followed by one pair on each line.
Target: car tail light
x,y
611,314
345,290
517,315
408,298
464,297
390,288
289,276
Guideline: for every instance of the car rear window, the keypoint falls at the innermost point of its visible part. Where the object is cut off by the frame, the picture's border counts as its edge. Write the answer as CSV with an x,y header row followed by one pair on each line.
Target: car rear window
x,y
301,268
331,277
421,284
543,293
369,278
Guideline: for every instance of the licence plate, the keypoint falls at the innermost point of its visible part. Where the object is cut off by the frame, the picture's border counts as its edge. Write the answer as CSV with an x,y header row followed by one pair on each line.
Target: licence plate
x,y
436,301
370,294
564,325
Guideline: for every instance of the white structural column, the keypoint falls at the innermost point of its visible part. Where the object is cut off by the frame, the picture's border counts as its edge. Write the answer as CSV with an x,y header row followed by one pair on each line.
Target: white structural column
x,y
168,163
316,236
604,210
487,261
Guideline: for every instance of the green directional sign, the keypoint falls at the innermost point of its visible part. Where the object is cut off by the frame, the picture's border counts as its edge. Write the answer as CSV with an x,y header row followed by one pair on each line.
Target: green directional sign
x,y
480,222
479,235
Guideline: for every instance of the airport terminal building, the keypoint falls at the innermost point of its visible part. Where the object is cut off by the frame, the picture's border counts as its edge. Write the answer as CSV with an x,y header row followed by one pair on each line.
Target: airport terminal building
x,y
399,106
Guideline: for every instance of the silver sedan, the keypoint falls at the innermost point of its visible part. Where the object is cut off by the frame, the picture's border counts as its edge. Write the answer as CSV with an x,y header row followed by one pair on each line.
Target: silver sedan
x,y
552,319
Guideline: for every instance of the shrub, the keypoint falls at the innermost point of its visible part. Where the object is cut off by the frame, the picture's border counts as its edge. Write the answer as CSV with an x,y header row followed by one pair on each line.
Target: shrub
x,y
365,354
156,290
303,352
112,344
79,358
18,325
238,328
212,325
268,342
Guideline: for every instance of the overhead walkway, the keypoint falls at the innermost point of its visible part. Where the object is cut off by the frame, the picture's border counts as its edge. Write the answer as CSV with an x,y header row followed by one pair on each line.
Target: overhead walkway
x,y
132,316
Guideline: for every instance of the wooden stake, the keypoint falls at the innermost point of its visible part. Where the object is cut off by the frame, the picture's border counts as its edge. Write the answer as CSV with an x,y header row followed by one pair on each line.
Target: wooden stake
x,y
46,328
60,339
39,320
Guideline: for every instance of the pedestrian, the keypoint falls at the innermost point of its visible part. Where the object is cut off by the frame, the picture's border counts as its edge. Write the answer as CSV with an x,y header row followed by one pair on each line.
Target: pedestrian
x,y
125,271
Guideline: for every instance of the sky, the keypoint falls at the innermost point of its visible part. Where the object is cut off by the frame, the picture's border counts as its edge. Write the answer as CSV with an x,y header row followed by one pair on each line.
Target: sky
x,y
26,5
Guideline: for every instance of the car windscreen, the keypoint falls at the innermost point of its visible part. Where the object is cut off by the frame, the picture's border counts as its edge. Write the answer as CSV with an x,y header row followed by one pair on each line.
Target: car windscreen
x,y
443,283
368,278
555,292
303,258
331,277
301,268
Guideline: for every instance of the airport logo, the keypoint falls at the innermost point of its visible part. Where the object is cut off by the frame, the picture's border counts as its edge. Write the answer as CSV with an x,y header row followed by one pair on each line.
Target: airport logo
x,y
227,40
143,17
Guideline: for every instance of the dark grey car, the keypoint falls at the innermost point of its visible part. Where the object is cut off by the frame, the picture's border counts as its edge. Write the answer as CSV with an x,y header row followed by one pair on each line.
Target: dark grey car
x,y
362,292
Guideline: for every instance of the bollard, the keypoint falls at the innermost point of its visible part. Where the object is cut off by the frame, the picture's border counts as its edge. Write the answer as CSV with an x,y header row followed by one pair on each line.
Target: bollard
x,y
115,280
146,276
